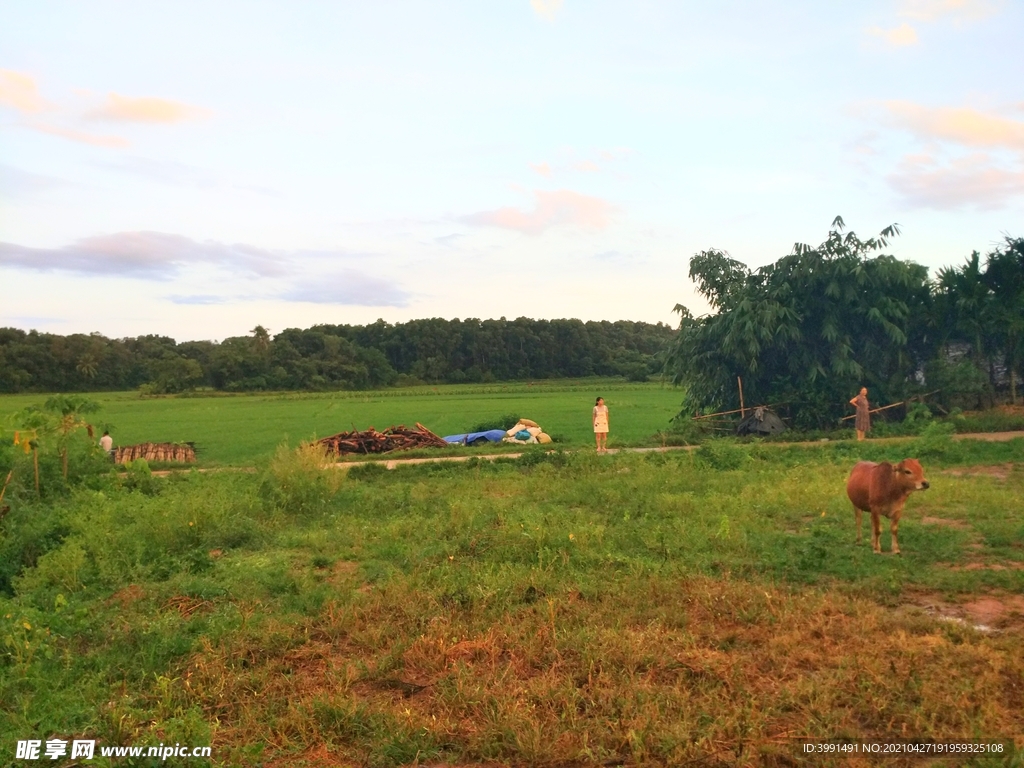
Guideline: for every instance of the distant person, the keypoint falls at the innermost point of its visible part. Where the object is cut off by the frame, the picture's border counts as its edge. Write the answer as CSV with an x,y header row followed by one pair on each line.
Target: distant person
x,y
107,443
863,421
601,425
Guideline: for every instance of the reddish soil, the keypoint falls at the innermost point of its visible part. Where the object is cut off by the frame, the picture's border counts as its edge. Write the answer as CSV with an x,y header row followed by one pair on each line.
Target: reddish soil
x,y
995,611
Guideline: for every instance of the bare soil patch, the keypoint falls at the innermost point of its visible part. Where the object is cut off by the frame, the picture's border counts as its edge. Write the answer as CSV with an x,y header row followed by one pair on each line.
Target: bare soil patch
x,y
998,471
992,612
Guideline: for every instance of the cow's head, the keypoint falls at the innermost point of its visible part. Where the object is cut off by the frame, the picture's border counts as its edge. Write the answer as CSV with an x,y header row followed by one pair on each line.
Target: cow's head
x,y
910,475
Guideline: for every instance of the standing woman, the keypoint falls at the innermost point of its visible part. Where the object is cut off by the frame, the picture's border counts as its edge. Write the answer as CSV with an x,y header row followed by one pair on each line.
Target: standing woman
x,y
863,422
601,425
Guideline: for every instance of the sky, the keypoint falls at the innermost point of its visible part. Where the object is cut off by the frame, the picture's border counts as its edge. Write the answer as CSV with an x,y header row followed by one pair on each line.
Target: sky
x,y
193,169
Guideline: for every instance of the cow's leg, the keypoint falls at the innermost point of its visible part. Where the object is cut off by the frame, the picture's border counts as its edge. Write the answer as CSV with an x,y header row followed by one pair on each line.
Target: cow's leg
x,y
857,512
894,526
876,533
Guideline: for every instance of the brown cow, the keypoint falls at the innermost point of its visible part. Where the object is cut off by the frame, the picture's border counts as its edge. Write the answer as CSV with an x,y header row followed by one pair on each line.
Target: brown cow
x,y
882,489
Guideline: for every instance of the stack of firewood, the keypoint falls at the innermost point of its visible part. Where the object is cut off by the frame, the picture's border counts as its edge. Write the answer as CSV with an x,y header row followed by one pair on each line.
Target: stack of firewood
x,y
400,438
185,452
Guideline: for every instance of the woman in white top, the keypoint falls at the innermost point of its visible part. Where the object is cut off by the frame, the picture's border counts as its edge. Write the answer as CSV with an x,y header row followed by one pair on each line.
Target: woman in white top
x,y
601,425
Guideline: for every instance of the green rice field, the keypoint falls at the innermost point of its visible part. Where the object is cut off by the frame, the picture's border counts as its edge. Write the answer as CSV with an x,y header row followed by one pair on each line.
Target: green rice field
x,y
239,429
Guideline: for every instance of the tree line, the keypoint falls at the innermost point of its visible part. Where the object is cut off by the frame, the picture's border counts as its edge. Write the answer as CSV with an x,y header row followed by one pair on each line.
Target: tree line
x,y
810,329
334,356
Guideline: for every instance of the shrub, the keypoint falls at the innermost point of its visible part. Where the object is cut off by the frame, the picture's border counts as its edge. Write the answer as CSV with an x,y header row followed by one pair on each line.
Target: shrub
x,y
936,440
26,534
300,481
721,454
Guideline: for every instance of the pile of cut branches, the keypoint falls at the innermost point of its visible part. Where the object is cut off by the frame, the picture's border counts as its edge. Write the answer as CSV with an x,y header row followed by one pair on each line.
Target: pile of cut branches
x,y
400,438
179,452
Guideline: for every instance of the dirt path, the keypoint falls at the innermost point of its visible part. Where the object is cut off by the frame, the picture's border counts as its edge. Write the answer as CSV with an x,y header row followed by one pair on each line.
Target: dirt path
x,y
992,437
394,463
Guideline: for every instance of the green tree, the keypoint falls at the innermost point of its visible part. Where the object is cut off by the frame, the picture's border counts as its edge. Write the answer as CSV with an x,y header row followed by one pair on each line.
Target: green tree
x,y
1004,278
807,330
965,303
68,410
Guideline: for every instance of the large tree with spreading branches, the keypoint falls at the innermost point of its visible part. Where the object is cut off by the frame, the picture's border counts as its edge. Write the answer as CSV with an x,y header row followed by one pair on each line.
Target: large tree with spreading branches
x,y
808,330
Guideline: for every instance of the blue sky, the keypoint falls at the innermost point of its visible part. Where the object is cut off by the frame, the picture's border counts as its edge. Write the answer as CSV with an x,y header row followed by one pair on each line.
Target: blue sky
x,y
195,169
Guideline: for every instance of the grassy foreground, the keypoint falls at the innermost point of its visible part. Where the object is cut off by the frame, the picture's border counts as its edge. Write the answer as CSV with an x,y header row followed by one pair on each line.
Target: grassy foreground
x,y
238,429
561,609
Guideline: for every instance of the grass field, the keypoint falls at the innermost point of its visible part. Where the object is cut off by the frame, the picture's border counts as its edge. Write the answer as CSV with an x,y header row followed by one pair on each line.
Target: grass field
x,y
233,430
693,608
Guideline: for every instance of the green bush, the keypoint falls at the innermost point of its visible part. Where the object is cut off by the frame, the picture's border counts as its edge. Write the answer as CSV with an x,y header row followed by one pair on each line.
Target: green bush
x,y
299,481
936,441
27,533
722,453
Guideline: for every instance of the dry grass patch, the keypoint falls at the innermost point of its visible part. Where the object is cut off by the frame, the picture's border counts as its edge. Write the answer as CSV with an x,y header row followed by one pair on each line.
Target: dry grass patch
x,y
653,671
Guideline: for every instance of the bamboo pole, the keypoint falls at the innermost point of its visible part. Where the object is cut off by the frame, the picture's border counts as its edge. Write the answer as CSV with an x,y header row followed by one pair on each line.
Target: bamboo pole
x,y
893,405
726,413
743,412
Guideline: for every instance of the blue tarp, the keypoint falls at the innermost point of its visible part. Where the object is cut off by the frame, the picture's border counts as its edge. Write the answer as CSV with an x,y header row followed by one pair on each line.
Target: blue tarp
x,y
491,435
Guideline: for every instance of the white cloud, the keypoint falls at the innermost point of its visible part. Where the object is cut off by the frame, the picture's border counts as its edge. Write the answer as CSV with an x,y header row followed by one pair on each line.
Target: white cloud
x,y
900,36
975,181
542,168
546,9
562,207
19,91
961,125
149,255
299,276
145,109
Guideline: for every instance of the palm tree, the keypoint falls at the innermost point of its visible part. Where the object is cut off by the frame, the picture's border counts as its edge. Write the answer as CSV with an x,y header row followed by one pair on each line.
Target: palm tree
x,y
969,299
88,366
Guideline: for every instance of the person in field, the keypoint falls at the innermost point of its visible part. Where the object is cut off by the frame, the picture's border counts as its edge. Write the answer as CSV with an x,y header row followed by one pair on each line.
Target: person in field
x,y
107,442
863,421
601,425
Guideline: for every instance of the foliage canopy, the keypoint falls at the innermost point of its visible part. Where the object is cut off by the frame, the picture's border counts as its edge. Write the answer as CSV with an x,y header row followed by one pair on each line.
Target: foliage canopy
x,y
807,330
